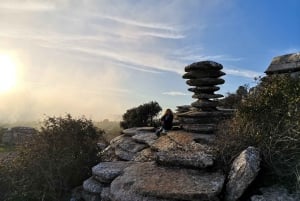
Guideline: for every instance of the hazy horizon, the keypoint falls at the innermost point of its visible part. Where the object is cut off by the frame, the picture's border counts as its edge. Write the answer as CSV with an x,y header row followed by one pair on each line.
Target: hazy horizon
x,y
99,58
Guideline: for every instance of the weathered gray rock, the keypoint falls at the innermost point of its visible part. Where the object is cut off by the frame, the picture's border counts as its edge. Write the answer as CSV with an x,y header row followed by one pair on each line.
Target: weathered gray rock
x,y
194,159
203,66
108,154
92,186
105,172
207,96
203,73
180,149
243,171
126,147
133,131
148,182
145,138
146,155
200,128
205,104
204,89
205,81
105,194
275,193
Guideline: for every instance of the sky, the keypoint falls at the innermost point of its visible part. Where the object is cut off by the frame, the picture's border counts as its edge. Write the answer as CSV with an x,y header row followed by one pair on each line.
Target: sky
x,y
98,58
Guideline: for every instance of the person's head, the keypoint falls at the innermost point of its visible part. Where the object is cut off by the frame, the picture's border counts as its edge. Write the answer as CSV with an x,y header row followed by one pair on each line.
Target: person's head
x,y
168,112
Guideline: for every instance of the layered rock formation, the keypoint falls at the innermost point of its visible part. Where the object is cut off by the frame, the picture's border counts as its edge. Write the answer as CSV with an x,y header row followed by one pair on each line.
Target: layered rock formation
x,y
203,113
179,166
141,166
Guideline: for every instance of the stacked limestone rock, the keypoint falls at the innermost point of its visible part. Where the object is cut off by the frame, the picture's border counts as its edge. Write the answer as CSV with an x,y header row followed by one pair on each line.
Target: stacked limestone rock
x,y
140,166
203,77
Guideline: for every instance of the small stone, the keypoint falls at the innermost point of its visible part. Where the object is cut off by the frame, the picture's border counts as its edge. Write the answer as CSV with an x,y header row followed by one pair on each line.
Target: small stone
x,y
105,172
92,186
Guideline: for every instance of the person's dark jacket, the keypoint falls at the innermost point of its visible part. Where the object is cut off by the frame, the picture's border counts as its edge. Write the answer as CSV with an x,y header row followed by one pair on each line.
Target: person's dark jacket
x,y
167,121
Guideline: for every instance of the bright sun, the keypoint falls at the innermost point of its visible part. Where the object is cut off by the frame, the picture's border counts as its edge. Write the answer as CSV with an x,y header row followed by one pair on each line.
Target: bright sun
x,y
8,73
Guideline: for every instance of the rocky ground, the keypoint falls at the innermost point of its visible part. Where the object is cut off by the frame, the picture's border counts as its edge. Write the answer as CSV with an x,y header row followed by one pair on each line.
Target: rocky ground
x,y
178,166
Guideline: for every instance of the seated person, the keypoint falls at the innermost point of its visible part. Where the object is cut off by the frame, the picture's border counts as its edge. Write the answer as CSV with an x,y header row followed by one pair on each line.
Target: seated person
x,y
166,122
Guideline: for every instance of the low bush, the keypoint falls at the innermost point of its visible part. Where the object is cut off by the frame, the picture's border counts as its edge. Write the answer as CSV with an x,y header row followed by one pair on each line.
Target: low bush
x,y
58,159
269,119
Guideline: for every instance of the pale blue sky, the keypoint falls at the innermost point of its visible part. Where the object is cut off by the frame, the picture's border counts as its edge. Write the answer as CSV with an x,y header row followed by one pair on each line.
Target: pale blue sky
x,y
101,57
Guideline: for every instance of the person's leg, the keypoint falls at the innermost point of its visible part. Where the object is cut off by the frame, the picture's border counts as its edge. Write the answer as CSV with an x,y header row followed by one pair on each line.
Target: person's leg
x,y
158,131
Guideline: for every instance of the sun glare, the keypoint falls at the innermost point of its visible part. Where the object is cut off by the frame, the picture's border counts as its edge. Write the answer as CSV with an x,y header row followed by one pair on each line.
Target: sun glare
x,y
8,73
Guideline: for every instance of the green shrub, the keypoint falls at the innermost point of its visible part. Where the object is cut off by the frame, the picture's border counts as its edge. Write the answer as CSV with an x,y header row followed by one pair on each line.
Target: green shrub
x,y
58,159
269,118
143,115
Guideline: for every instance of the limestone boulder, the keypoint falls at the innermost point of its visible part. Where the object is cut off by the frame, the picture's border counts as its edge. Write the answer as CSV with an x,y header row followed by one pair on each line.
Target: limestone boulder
x,y
135,130
126,148
149,182
105,172
92,186
145,138
243,171
203,66
205,81
180,149
146,155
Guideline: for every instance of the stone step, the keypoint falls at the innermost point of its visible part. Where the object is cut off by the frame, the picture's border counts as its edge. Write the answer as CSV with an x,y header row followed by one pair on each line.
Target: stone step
x,y
133,131
126,147
200,128
181,149
92,186
105,172
149,182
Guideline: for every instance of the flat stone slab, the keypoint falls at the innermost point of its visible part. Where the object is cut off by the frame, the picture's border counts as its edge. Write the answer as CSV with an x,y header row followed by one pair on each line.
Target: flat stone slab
x,y
207,96
204,89
201,114
145,138
149,182
92,186
205,81
135,130
205,103
200,128
200,74
126,148
203,66
105,172
180,149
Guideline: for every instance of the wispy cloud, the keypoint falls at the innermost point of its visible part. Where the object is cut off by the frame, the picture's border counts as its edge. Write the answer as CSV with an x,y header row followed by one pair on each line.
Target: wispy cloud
x,y
242,72
175,93
137,23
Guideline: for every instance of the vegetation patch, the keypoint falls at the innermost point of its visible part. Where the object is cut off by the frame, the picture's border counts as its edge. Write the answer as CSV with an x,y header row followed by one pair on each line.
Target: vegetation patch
x,y
269,119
